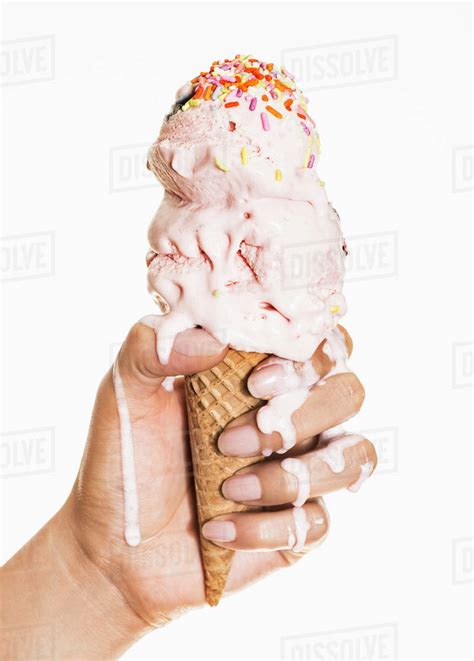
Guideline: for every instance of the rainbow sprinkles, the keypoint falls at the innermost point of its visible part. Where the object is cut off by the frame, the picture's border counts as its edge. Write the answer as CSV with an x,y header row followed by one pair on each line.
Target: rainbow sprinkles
x,y
257,86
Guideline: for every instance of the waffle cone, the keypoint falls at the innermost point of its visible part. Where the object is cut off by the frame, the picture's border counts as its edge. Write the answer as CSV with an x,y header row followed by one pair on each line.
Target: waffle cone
x,y
214,398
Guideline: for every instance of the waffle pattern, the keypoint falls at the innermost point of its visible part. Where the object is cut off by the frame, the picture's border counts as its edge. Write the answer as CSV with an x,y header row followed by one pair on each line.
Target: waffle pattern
x,y
214,398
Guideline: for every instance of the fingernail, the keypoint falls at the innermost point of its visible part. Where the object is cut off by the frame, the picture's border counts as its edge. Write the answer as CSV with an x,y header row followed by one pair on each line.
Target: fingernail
x,y
219,531
239,441
242,488
197,342
267,381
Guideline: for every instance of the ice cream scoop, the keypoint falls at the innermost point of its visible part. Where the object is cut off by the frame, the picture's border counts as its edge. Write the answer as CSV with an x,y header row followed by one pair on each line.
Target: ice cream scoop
x,y
245,243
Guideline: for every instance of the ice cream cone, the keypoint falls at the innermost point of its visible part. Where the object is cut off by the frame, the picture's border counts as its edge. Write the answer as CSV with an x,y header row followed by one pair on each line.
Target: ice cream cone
x,y
214,398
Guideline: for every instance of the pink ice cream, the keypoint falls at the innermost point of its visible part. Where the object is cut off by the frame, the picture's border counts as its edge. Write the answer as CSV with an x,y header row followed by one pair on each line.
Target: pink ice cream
x,y
245,243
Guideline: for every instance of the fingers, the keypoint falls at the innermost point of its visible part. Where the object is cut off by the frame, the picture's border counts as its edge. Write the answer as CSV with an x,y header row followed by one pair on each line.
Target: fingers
x,y
193,350
291,528
344,463
336,400
275,376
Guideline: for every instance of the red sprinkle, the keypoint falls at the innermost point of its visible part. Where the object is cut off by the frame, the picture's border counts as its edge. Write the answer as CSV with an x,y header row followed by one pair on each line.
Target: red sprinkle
x,y
232,104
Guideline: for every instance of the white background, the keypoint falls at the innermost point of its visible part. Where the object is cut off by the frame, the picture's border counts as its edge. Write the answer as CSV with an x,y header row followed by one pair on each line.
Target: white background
x,y
397,553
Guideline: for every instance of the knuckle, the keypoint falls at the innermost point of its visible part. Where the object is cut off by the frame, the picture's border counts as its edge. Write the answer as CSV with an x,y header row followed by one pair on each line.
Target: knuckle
x,y
370,453
355,391
318,519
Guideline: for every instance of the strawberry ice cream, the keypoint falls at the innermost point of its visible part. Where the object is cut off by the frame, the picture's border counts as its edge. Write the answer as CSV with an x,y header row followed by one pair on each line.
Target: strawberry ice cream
x,y
245,243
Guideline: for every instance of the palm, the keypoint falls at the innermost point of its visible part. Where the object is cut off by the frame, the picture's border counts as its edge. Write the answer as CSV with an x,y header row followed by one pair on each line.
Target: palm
x,y
163,575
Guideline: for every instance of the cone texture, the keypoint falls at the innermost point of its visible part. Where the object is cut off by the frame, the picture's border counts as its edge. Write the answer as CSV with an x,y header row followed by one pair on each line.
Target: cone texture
x,y
214,398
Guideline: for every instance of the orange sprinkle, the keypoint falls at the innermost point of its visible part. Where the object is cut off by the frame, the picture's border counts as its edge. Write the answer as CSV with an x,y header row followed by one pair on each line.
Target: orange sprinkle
x,y
231,104
268,77
195,80
274,112
270,66
255,72
288,103
264,97
251,82
198,93
281,87
209,91
301,115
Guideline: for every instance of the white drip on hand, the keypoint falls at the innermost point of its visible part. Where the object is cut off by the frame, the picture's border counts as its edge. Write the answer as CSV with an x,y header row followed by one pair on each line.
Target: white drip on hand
x,y
299,469
130,493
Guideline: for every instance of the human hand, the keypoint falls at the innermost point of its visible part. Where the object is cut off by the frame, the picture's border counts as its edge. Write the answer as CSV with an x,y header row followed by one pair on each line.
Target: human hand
x,y
163,576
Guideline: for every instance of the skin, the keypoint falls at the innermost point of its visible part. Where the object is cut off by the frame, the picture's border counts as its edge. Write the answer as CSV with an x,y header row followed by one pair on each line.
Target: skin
x,y
99,595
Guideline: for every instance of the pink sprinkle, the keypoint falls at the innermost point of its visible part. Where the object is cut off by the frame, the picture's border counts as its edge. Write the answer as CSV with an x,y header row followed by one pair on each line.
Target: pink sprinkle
x,y
229,79
253,104
231,95
311,161
265,122
239,93
305,128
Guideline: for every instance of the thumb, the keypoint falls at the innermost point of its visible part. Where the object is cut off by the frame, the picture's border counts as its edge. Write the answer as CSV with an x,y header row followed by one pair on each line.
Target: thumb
x,y
194,350
142,374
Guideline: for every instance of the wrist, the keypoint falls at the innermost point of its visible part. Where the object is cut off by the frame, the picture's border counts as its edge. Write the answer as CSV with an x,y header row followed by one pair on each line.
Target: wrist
x,y
106,617
51,584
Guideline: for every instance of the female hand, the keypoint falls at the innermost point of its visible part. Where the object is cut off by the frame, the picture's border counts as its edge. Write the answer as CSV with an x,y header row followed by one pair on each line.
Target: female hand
x,y
129,589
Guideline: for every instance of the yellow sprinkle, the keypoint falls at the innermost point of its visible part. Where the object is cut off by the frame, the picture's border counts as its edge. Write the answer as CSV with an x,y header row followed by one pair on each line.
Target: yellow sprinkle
x,y
216,293
194,102
221,165
186,106
278,175
318,143
244,156
322,183
334,309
